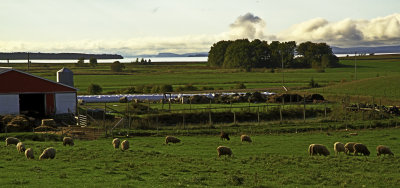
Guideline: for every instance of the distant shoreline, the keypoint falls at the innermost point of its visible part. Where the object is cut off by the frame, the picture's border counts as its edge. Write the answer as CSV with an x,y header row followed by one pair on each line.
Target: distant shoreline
x,y
55,56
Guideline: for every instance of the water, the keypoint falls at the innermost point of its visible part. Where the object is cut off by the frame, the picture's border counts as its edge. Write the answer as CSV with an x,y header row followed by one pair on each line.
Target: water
x,y
125,60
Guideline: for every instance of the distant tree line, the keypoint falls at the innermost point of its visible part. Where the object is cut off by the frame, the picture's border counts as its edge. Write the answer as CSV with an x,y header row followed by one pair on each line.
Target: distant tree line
x,y
244,54
24,55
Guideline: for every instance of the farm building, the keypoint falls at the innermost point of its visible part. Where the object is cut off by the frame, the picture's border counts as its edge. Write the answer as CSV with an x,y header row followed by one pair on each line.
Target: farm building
x,y
24,93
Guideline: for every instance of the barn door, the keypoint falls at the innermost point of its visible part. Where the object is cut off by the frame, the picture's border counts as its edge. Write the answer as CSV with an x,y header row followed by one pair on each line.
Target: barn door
x,y
50,110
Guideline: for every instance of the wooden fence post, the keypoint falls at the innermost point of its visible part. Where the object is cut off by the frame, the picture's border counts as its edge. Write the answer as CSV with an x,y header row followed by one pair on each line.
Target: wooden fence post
x,y
304,109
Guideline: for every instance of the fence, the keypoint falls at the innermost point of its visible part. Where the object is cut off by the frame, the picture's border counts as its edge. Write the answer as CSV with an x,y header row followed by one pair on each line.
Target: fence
x,y
150,115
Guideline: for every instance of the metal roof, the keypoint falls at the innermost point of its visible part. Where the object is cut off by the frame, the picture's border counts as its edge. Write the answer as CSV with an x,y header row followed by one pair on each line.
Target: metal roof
x,y
8,69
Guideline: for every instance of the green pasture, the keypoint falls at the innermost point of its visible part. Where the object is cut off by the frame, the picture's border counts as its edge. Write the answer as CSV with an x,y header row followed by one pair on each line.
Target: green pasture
x,y
272,160
198,74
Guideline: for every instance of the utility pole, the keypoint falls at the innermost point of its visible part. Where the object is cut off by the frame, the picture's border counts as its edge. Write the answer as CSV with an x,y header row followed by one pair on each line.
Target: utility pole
x,y
355,65
28,62
283,74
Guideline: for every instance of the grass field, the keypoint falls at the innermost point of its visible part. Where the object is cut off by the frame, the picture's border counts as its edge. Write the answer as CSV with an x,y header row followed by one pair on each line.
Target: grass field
x,y
270,161
198,74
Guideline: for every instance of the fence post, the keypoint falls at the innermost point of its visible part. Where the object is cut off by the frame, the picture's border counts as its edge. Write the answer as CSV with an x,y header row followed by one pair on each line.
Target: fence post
x,y
183,120
234,118
280,113
104,118
157,123
258,115
304,109
325,109
209,117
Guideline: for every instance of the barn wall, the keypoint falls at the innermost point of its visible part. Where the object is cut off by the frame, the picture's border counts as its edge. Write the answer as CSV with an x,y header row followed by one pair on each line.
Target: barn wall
x,y
9,104
65,103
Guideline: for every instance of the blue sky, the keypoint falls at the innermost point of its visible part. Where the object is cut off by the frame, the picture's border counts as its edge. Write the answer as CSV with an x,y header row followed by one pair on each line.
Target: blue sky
x,y
132,27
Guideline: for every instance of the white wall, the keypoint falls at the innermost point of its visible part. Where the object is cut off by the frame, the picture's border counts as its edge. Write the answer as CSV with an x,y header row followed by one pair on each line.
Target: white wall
x,y
9,104
65,101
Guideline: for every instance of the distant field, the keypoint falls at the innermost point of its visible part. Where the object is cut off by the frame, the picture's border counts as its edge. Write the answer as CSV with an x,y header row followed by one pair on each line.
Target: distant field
x,y
270,161
198,74
387,87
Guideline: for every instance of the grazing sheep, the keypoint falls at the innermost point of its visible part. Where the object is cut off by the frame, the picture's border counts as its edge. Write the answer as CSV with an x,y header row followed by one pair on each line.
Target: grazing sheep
x,y
310,149
171,139
48,153
361,148
338,147
29,153
11,140
223,150
319,149
224,135
125,145
68,141
348,147
20,147
116,143
383,150
245,138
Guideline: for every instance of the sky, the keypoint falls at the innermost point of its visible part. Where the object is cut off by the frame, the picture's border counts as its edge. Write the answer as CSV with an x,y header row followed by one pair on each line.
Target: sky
x,y
134,27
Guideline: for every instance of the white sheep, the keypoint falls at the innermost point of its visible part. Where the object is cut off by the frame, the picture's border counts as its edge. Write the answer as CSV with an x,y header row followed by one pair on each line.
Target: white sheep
x,y
68,141
29,153
48,153
125,145
116,143
20,147
319,149
223,150
12,140
338,147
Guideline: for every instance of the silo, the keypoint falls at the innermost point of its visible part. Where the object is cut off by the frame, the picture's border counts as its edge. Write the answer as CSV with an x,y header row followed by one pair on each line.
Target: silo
x,y
65,76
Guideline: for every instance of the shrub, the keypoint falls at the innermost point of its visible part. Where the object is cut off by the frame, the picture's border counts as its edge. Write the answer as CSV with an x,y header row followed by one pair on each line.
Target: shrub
x,y
94,89
165,88
155,89
240,86
188,87
117,66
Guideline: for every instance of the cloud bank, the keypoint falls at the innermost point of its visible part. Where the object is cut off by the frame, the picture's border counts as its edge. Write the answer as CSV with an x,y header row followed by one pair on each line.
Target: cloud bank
x,y
345,33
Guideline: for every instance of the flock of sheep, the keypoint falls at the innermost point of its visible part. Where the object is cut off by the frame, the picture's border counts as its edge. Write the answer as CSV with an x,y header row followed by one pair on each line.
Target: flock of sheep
x,y
348,148
48,153
222,150
313,149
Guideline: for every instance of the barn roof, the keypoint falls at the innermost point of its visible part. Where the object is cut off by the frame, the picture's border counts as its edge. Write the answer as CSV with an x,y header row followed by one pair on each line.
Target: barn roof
x,y
16,81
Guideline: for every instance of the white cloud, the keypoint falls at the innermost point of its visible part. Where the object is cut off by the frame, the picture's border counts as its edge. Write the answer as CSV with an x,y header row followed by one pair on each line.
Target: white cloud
x,y
247,26
347,32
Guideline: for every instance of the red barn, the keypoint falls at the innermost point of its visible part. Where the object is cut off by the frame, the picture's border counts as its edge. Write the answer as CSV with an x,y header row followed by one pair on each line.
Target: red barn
x,y
24,93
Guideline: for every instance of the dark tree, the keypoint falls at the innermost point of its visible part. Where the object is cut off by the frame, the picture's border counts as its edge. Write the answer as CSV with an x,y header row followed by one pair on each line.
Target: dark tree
x,y
239,55
93,62
216,54
81,62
